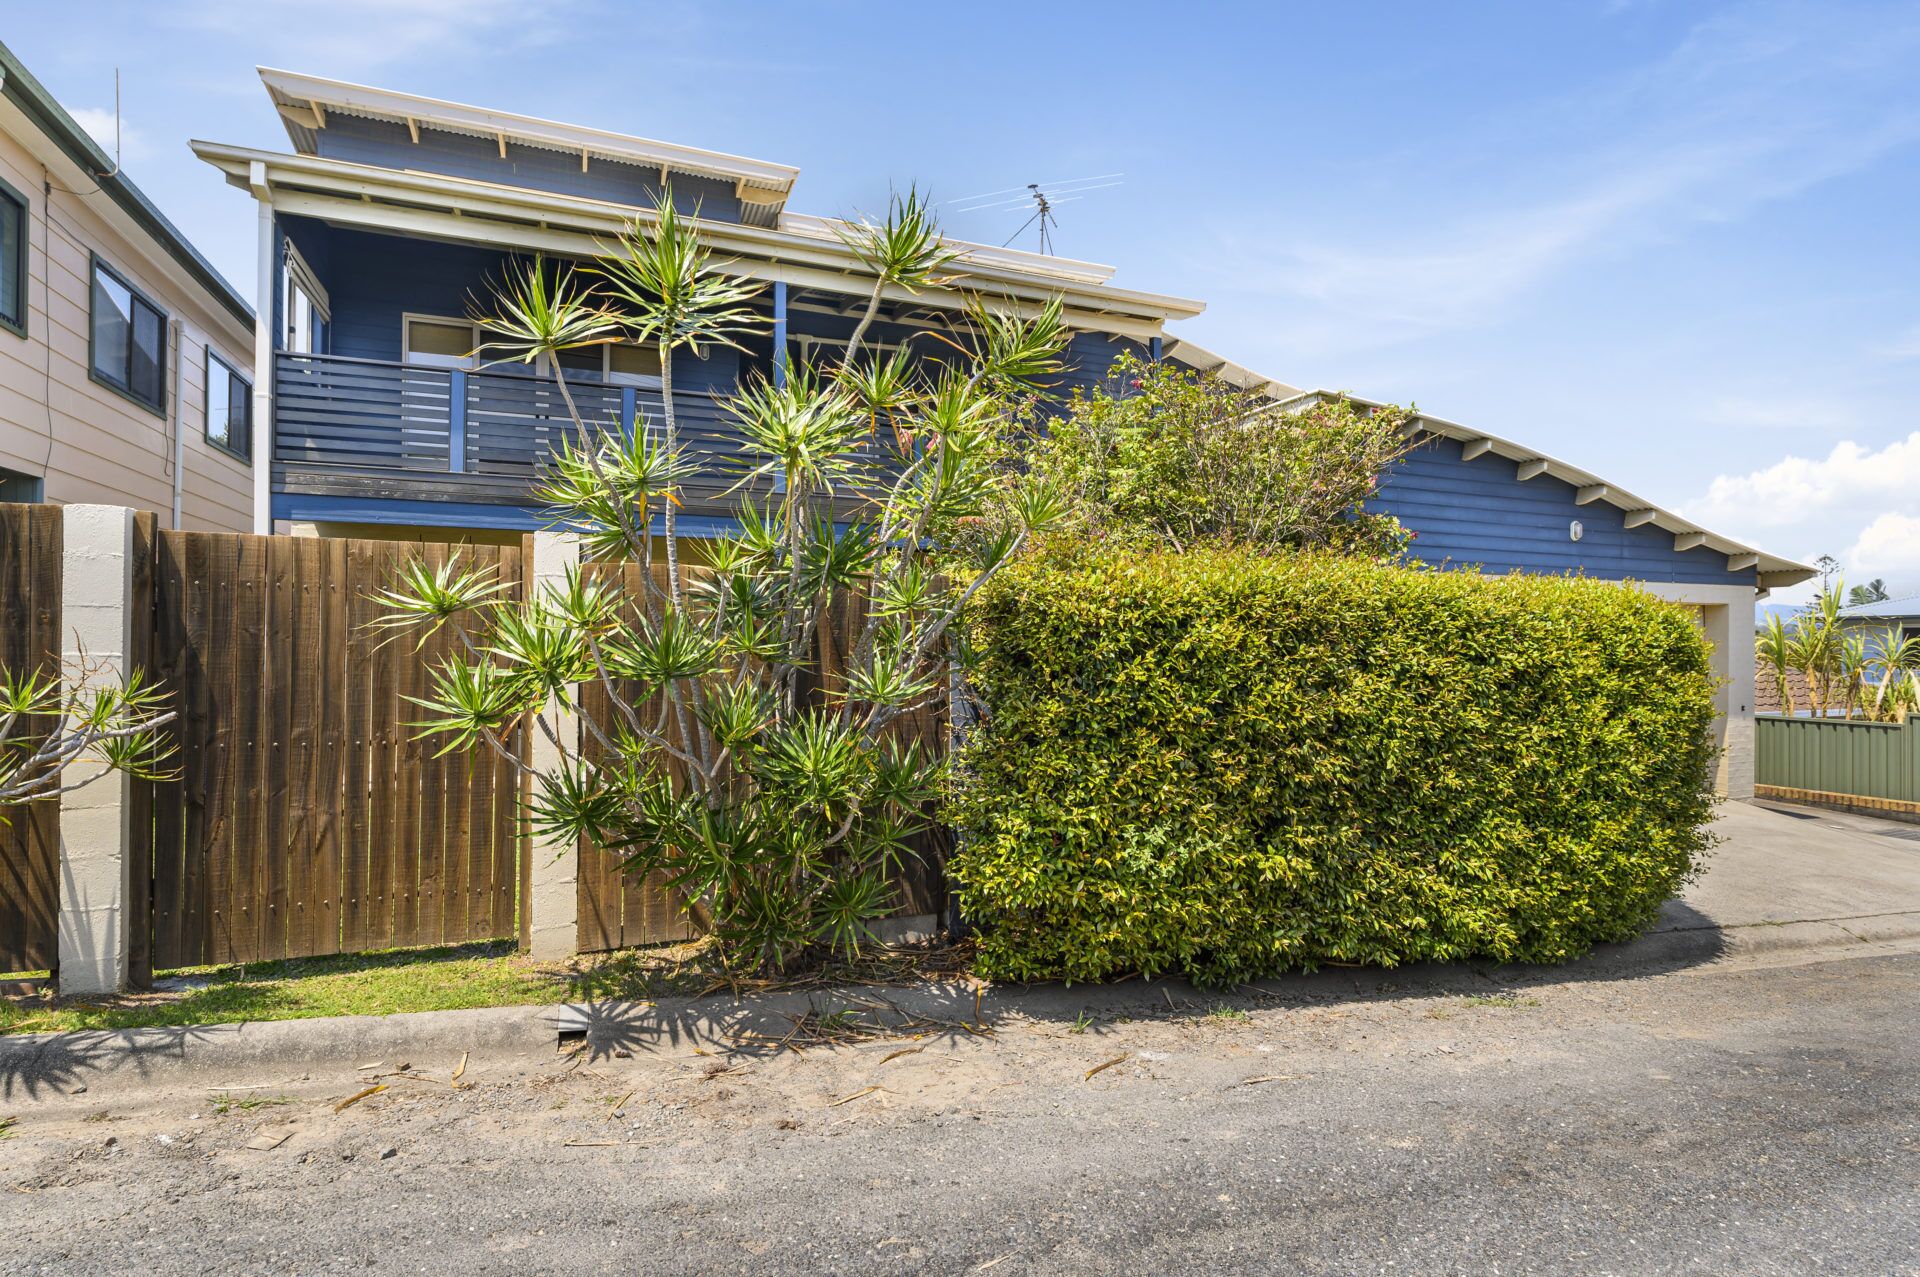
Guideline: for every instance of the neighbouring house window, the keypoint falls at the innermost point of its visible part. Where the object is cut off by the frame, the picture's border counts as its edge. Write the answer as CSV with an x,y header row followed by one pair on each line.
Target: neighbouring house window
x,y
229,408
129,340
26,488
13,260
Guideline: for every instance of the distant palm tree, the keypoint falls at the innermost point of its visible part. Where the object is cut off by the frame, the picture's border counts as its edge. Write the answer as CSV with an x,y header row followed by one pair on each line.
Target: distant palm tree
x,y
1873,591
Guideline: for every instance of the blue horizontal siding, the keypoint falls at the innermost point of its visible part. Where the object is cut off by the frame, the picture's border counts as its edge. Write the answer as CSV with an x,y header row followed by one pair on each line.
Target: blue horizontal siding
x,y
1479,514
389,145
1087,360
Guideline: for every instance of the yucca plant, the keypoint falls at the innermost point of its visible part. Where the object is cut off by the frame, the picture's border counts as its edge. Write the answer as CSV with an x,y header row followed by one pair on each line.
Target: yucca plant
x,y
780,799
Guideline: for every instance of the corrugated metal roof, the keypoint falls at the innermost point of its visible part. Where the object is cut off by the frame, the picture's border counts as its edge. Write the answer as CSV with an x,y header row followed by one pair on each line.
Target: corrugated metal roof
x,y
1900,608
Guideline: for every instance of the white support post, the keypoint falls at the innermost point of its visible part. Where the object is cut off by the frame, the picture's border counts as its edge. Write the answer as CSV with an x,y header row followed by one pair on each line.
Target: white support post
x,y
263,368
96,869
553,900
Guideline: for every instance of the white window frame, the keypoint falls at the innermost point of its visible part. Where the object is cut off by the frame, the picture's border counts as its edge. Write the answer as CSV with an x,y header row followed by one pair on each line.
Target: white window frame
x,y
540,367
608,377
296,274
409,318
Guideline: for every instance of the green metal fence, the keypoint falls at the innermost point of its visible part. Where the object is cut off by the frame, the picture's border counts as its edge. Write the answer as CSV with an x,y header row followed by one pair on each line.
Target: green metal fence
x,y
1870,760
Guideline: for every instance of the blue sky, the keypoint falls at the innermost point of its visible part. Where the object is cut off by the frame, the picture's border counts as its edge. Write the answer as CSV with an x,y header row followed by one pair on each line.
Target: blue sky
x,y
1672,243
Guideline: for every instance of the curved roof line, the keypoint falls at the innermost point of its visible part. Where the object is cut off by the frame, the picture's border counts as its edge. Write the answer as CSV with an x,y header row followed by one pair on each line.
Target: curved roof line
x,y
1773,571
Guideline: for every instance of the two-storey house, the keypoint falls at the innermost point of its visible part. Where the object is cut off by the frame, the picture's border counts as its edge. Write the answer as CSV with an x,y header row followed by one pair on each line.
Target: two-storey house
x,y
126,361
382,229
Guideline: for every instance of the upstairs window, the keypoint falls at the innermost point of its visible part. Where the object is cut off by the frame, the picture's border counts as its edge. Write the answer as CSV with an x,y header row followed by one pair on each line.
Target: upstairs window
x,y
634,365
129,340
229,408
620,364
13,260
441,343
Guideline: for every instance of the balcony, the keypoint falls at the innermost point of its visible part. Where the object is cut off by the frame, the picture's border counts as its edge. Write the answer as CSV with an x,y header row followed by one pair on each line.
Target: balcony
x,y
365,430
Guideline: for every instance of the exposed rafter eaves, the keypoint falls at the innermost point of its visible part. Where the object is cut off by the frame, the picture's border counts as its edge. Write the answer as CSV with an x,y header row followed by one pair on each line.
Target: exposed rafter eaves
x,y
1772,572
488,212
1199,357
318,95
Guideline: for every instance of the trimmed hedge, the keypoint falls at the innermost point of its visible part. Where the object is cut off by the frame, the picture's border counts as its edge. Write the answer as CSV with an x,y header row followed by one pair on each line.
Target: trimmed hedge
x,y
1228,765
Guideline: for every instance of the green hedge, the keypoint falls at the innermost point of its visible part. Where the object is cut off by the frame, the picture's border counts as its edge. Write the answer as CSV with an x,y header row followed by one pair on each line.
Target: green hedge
x,y
1226,765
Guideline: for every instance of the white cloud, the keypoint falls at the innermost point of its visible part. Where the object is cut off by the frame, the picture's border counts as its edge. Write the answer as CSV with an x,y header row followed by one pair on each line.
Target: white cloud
x,y
99,123
1887,547
1795,490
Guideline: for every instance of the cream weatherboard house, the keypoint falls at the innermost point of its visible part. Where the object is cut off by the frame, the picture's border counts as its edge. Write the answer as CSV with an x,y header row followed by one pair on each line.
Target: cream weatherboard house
x,y
126,361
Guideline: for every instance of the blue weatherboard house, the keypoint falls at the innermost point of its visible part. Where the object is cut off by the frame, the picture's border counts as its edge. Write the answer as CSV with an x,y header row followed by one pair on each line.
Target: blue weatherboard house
x,y
393,212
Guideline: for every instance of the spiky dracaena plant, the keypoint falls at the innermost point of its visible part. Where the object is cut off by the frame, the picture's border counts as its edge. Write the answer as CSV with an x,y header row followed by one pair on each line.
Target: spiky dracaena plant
x,y
779,798
89,725
904,251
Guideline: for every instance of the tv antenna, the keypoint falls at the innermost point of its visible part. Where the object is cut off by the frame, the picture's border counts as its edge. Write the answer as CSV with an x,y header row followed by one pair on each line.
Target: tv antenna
x,y
1041,198
116,126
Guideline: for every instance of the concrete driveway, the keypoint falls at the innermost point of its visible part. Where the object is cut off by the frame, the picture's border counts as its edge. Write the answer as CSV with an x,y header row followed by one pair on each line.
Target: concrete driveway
x,y
1800,876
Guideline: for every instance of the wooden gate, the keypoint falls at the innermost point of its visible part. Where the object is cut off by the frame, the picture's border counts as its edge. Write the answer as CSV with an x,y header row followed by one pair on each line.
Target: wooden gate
x,y
306,818
29,640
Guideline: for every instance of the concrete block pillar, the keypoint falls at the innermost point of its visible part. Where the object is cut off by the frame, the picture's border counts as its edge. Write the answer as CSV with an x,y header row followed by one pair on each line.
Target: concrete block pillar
x,y
97,878
553,899
1726,619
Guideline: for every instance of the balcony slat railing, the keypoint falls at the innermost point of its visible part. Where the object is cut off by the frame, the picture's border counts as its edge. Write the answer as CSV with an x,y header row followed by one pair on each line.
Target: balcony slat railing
x,y
332,411
374,424
371,417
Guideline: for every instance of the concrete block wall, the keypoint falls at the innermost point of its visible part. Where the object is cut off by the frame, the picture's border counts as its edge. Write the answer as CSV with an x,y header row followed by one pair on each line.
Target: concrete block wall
x,y
553,900
96,871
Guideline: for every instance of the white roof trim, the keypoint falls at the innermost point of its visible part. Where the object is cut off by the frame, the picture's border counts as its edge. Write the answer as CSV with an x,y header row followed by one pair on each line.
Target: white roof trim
x,y
1195,356
533,209
1774,572
826,228
361,99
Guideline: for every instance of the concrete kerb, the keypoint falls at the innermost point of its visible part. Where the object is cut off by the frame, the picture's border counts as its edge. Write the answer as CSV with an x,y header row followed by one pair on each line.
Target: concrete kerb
x,y
47,1068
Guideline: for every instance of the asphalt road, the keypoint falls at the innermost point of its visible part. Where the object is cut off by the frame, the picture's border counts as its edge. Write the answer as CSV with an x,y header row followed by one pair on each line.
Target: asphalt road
x,y
1710,1120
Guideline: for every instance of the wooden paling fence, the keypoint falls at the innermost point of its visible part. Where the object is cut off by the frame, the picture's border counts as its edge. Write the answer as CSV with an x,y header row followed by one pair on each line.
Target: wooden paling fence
x,y
29,639
305,815
307,818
